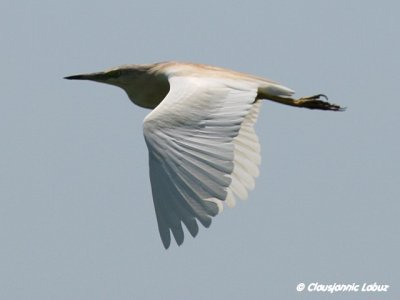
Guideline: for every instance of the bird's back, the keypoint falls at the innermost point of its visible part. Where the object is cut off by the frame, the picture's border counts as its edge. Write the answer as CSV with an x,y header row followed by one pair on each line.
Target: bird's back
x,y
172,69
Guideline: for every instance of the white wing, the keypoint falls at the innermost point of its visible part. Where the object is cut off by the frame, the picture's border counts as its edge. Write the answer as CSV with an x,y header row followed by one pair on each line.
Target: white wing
x,y
247,158
202,150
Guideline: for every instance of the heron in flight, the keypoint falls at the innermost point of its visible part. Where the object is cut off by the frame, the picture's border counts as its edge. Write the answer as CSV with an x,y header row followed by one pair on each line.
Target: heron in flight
x,y
203,149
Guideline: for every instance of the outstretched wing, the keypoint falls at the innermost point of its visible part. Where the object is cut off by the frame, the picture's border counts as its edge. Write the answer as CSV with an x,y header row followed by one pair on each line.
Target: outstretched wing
x,y
247,158
202,150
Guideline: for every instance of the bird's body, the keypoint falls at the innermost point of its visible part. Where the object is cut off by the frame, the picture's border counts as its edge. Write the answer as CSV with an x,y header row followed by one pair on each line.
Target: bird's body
x,y
203,150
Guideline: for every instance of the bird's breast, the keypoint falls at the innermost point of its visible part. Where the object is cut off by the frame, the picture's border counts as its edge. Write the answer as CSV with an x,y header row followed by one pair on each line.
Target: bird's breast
x,y
148,92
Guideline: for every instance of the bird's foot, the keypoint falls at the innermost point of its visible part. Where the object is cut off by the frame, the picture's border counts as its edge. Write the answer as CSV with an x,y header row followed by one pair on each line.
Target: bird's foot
x,y
315,102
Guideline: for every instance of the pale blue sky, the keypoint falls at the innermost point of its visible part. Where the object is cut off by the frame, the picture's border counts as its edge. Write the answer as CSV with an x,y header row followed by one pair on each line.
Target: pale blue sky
x,y
76,214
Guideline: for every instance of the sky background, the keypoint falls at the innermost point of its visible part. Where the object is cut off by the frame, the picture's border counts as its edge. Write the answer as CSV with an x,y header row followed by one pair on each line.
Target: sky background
x,y
76,213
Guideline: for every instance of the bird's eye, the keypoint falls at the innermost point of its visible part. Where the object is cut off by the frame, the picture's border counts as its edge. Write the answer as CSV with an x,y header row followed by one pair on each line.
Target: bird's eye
x,y
114,73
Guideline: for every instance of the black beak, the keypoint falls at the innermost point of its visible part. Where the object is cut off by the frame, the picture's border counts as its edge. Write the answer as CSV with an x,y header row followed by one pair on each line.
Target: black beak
x,y
99,76
75,77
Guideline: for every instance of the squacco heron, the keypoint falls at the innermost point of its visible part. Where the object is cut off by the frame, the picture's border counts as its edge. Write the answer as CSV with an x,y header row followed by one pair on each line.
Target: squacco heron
x,y
203,149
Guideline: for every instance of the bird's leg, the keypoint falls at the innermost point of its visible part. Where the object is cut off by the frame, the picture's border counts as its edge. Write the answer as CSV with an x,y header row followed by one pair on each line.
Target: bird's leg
x,y
315,102
312,102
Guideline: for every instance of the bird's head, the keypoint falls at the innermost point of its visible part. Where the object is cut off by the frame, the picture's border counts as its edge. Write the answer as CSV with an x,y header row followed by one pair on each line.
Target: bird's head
x,y
119,76
143,84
